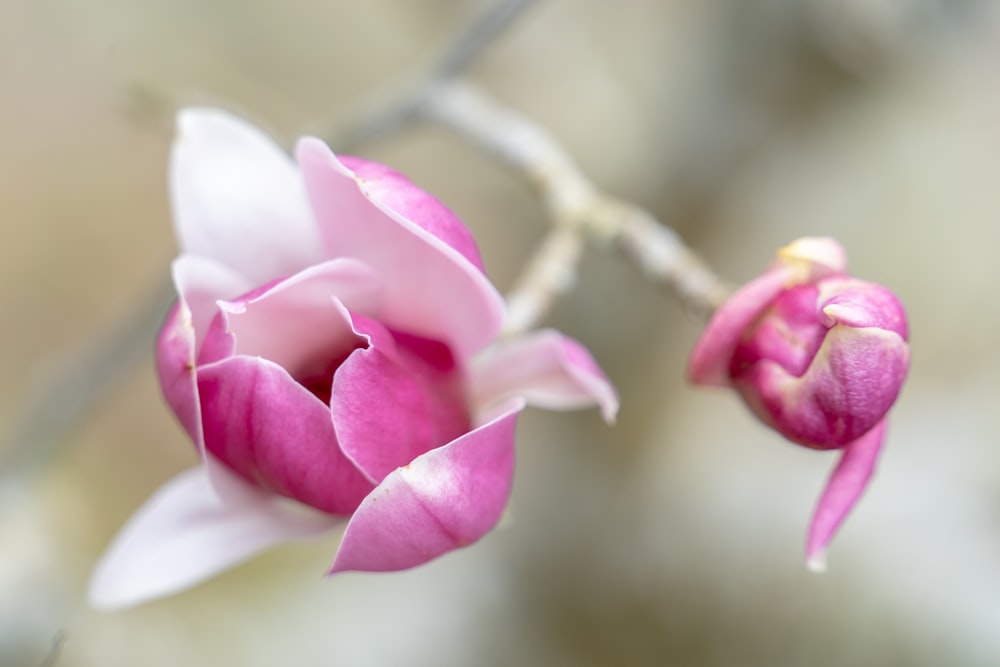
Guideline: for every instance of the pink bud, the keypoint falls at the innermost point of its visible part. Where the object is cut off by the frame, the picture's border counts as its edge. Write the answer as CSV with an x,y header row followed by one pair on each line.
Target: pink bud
x,y
818,356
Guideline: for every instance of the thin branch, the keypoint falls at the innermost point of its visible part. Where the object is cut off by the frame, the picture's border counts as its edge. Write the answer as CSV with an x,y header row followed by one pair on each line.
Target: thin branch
x,y
578,209
388,116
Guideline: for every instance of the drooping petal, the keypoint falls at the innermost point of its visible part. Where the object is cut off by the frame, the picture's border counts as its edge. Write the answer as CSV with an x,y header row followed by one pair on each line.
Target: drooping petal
x,y
709,363
432,289
270,429
396,400
548,369
845,486
446,499
185,534
394,191
239,199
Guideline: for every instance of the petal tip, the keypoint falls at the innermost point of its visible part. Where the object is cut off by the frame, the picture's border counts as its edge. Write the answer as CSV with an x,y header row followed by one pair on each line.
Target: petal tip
x,y
816,563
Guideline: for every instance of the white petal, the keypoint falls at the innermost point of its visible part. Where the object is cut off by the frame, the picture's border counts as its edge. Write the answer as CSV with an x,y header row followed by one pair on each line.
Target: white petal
x,y
184,534
238,198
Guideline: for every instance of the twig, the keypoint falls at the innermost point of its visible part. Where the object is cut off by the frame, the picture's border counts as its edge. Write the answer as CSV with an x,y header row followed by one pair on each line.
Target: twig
x,y
577,208
54,650
387,117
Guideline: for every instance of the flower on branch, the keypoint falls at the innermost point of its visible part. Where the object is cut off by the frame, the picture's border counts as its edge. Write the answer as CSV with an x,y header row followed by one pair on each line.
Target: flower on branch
x,y
332,355
818,356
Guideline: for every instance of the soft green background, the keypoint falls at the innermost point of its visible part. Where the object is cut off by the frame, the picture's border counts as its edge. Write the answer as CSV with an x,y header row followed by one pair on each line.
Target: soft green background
x,y
673,538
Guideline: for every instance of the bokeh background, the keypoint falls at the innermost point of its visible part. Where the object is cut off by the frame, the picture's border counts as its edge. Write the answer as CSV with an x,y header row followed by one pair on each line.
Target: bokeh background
x,y
674,538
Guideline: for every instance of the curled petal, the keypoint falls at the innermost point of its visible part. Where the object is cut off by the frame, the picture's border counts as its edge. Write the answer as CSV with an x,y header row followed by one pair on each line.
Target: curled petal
x,y
548,369
845,486
851,384
185,534
300,319
239,199
446,499
432,289
709,363
267,427
861,304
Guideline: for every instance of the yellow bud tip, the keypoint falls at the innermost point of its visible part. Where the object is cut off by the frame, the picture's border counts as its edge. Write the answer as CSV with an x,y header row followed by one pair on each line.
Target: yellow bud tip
x,y
814,257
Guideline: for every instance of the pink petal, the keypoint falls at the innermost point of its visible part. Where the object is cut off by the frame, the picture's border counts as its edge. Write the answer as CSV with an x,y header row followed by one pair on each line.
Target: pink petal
x,y
446,499
850,385
184,534
301,320
548,369
393,191
239,199
270,429
200,284
843,489
709,363
396,400
176,369
861,304
432,290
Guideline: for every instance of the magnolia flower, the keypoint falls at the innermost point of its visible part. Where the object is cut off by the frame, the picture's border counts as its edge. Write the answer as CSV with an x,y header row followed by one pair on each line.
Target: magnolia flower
x,y
332,356
818,356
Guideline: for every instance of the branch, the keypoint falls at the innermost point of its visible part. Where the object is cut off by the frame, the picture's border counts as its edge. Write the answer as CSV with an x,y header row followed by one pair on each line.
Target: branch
x,y
577,208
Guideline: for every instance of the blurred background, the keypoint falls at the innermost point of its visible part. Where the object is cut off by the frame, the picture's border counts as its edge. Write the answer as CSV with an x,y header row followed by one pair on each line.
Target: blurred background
x,y
673,538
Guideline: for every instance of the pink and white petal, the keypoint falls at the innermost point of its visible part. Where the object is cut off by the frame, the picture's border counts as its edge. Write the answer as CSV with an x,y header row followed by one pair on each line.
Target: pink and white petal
x,y
843,490
394,401
200,283
267,427
431,289
175,367
548,369
303,319
185,534
709,362
446,499
394,191
238,198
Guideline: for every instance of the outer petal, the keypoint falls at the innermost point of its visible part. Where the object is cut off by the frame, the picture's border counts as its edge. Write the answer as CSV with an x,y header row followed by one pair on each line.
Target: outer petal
x,y
396,400
852,382
431,289
446,499
270,429
546,368
184,534
843,489
239,199
397,193
709,363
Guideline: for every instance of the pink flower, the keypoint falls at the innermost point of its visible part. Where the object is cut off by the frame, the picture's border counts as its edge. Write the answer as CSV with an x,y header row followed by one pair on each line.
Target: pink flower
x,y
818,356
333,356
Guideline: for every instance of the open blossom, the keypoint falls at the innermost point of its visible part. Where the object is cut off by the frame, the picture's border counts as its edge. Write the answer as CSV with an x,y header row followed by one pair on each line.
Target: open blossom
x,y
820,357
332,356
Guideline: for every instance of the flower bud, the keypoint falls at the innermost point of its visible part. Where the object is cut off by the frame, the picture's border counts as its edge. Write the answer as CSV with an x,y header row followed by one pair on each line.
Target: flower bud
x,y
818,356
